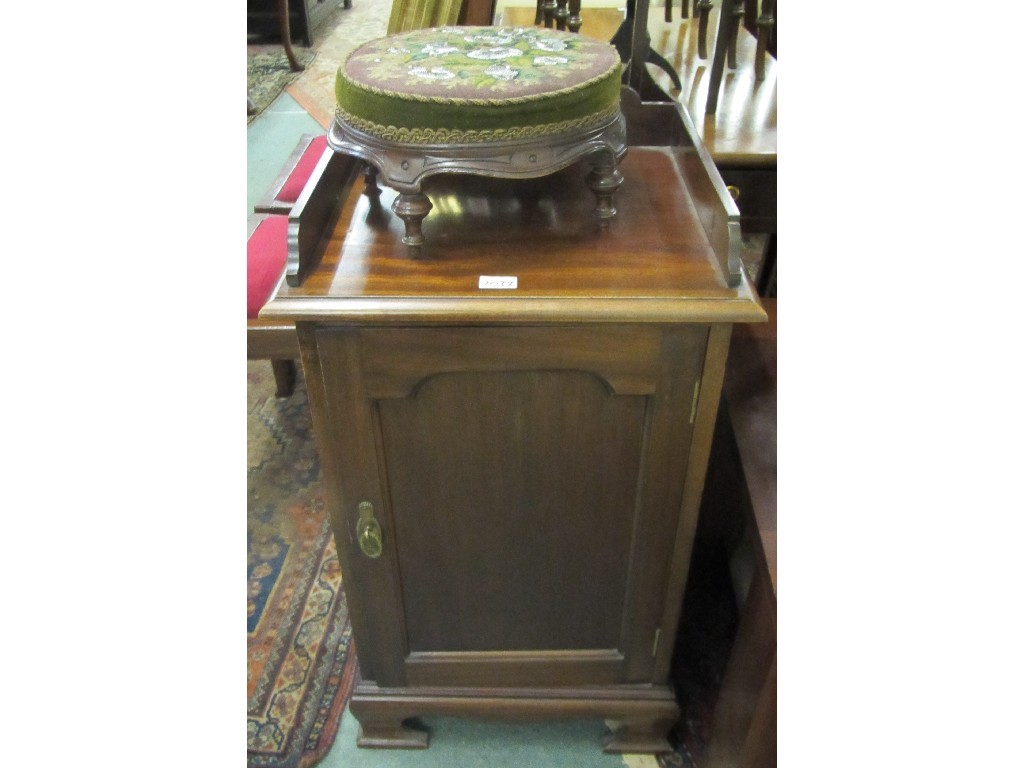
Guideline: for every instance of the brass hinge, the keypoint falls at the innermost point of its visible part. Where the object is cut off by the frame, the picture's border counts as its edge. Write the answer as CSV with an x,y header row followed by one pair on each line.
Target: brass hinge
x,y
657,639
693,405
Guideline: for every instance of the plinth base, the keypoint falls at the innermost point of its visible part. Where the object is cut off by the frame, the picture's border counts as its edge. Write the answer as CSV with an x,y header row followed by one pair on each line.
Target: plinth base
x,y
641,716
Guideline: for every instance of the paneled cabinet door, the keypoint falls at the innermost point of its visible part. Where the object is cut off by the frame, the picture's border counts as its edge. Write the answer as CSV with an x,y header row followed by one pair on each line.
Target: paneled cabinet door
x,y
506,499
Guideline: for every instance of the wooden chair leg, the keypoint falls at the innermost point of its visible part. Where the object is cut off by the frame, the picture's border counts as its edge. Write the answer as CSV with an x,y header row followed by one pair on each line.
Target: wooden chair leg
x,y
549,13
718,60
575,22
286,35
284,376
561,15
704,6
735,21
765,26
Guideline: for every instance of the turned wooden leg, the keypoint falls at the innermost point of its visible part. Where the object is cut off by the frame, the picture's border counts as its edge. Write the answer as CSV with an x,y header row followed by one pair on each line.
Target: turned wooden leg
x,y
668,9
412,208
538,19
603,180
370,188
684,9
575,21
377,218
284,376
561,15
549,13
704,6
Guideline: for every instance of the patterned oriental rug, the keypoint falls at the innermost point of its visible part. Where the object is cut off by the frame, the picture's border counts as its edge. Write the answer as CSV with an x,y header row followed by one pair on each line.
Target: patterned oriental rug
x,y
268,73
301,659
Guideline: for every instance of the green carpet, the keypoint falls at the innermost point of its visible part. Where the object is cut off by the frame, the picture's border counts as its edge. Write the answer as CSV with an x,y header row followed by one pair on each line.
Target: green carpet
x,y
464,743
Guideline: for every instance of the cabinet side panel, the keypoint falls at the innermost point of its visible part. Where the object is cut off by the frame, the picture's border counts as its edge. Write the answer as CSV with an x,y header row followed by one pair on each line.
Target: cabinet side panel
x,y
523,478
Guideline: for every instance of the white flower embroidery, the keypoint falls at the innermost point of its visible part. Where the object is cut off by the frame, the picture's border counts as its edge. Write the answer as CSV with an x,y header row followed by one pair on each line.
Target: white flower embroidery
x,y
490,39
434,73
503,72
550,45
547,61
494,53
438,49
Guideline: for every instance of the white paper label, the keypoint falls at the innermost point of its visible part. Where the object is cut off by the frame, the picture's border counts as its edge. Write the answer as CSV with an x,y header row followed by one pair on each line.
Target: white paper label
x,y
498,282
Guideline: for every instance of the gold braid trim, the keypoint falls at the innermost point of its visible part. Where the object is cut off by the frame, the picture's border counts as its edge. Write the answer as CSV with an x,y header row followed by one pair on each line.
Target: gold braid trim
x,y
456,136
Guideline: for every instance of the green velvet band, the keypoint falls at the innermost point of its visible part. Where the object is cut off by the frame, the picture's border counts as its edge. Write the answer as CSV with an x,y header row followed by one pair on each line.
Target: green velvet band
x,y
387,110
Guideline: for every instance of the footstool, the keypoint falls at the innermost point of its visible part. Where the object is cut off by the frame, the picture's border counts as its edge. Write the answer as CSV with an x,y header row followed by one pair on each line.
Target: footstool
x,y
506,102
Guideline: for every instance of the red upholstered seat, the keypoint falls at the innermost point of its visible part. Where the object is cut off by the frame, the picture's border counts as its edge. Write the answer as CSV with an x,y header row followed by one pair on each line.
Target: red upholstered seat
x,y
296,181
267,253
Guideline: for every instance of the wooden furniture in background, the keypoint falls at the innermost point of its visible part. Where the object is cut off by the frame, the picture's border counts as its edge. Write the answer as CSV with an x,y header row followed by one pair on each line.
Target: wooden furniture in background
x,y
740,134
684,9
730,24
300,20
477,13
514,433
286,35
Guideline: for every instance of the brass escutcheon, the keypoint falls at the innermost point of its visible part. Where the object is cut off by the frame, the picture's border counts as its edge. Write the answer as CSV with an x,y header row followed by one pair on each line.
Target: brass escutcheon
x,y
368,531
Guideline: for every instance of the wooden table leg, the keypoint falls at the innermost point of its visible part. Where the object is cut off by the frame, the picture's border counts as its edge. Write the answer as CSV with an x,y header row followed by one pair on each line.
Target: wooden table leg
x,y
286,35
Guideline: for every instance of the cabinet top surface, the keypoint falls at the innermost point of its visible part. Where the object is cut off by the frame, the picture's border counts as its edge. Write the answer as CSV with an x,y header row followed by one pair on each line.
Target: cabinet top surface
x,y
653,263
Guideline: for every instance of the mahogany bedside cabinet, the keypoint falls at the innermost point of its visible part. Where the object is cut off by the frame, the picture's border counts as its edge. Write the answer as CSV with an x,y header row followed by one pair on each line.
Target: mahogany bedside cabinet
x,y
514,431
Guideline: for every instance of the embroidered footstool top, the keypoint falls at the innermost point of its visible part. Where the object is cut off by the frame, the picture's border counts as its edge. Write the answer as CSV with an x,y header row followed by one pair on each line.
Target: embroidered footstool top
x,y
464,85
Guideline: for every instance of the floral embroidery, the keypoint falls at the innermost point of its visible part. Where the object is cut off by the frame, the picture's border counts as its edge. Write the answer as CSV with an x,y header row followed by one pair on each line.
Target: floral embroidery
x,y
502,72
439,49
551,45
490,39
434,73
494,53
478,63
